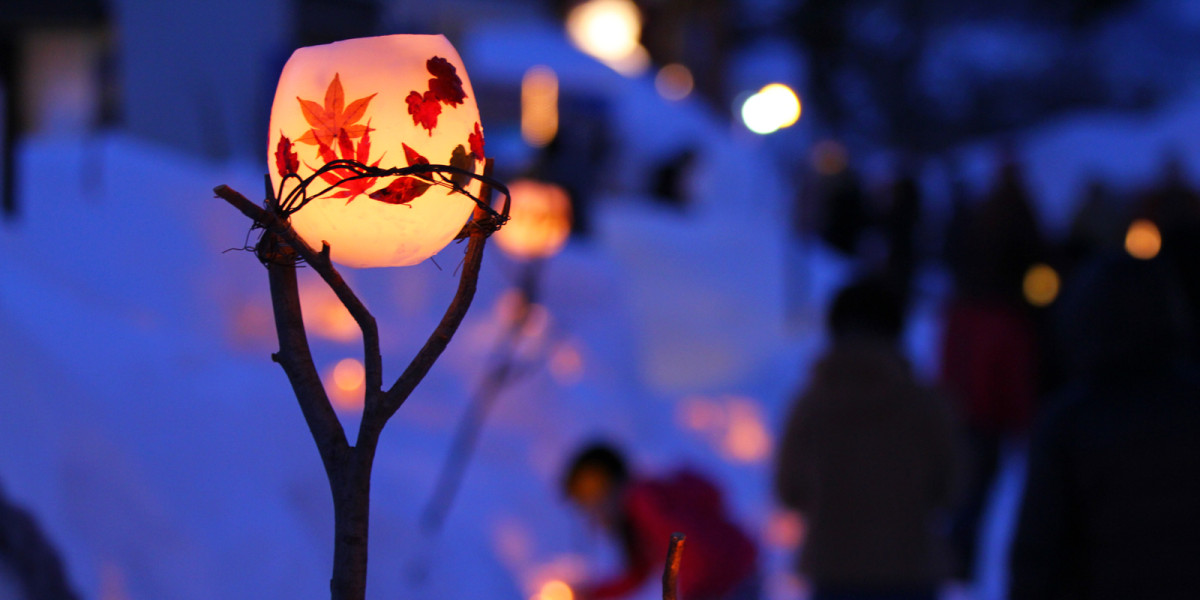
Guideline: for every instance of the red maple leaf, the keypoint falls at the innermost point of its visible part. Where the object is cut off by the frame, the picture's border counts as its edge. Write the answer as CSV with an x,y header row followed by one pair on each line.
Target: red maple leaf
x,y
407,188
286,159
328,121
424,109
475,140
445,85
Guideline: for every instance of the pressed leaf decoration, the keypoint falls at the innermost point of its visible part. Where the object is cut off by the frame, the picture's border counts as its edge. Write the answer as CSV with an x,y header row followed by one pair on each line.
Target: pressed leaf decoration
x,y
330,120
475,139
446,85
424,109
338,135
286,159
405,189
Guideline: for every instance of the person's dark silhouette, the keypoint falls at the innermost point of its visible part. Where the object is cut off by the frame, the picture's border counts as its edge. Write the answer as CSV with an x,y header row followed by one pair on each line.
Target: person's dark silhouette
x,y
869,459
1111,506
989,354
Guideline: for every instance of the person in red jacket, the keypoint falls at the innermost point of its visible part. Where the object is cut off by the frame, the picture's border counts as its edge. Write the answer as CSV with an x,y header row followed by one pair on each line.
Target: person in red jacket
x,y
719,559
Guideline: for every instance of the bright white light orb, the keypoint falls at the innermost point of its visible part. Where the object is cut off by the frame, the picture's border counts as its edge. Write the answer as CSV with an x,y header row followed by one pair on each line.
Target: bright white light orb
x,y
774,107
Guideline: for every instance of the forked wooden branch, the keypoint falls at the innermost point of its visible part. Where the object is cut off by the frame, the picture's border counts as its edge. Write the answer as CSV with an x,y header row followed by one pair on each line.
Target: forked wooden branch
x,y
670,578
348,468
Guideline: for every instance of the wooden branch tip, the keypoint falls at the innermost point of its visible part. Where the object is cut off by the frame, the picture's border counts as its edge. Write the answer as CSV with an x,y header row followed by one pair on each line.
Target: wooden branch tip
x,y
671,570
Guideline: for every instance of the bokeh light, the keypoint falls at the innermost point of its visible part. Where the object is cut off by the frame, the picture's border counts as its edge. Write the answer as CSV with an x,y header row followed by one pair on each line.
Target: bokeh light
x,y
609,31
829,157
349,374
674,82
785,529
348,378
554,590
539,220
774,107
566,364
1143,239
734,425
747,439
539,106
1041,285
324,315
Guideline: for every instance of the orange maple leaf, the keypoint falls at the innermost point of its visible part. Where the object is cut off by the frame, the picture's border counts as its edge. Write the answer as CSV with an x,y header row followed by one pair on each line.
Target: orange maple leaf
x,y
330,120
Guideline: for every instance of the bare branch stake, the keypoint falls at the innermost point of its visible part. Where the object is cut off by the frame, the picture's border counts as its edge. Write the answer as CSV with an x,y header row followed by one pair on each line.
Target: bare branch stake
x,y
671,570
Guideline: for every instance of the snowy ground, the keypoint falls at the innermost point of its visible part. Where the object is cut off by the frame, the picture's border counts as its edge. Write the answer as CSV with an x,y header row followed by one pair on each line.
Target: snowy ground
x,y
147,429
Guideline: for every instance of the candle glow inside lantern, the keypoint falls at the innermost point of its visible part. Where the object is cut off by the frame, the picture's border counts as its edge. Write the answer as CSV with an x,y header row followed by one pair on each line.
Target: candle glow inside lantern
x,y
388,101
539,220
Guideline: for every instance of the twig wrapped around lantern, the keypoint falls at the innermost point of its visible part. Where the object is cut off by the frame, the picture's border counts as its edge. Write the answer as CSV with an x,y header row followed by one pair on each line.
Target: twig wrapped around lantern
x,y
400,223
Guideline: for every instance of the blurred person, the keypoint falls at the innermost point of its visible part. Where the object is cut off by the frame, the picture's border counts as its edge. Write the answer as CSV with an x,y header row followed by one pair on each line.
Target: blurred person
x,y
903,216
1111,505
869,459
845,211
719,561
1098,224
989,354
1174,206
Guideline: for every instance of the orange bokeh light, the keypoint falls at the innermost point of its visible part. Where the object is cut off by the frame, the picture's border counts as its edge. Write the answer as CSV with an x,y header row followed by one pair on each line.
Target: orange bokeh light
x,y
784,530
348,379
555,590
1041,285
566,364
1143,239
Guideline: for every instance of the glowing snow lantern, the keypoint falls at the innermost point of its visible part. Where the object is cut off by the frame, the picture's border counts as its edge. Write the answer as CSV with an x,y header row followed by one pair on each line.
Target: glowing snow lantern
x,y
539,220
389,101
609,31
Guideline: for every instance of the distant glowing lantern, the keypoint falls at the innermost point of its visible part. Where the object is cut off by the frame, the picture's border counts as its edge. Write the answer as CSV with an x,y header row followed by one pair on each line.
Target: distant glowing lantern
x,y
566,364
554,590
1143,239
324,315
674,82
1041,285
784,529
609,31
539,106
772,108
539,220
389,101
348,377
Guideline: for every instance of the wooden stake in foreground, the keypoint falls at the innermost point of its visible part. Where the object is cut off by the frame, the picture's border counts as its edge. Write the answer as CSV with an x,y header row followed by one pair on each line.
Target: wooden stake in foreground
x,y
671,570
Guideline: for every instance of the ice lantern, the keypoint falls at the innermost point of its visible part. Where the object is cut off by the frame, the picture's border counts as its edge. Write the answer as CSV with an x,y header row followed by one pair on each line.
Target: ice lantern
x,y
388,101
540,220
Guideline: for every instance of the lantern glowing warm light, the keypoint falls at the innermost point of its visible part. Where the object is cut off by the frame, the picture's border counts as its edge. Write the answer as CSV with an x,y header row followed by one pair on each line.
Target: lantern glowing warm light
x,y
1143,239
539,220
348,377
539,106
389,101
609,31
554,590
